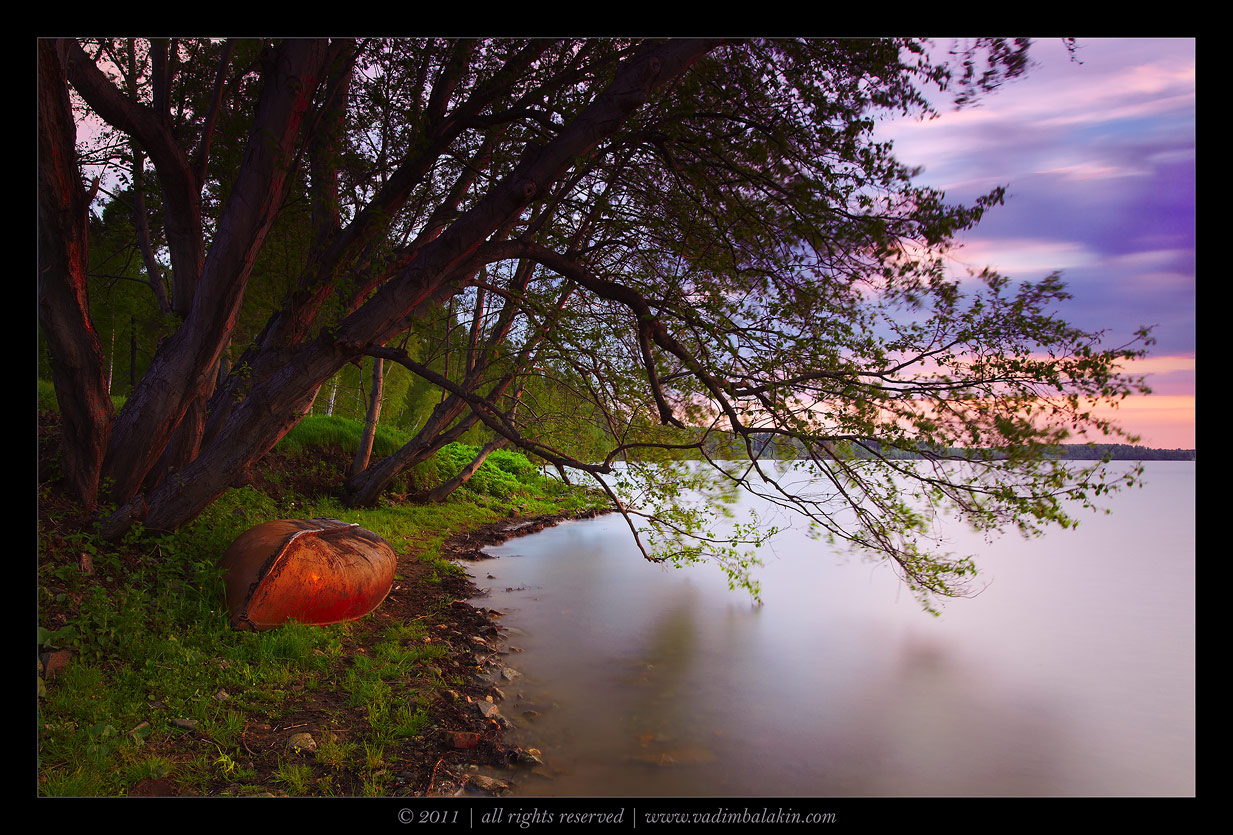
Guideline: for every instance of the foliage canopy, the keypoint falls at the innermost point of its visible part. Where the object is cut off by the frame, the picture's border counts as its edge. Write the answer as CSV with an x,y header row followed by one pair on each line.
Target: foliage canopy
x,y
607,252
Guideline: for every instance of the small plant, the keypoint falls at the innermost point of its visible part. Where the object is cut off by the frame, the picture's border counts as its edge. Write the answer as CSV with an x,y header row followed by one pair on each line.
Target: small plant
x,y
76,783
224,763
226,729
294,777
408,722
63,637
335,753
374,756
150,768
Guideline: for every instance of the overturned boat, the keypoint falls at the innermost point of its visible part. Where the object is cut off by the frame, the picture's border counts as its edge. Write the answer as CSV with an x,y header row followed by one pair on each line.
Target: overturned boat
x,y
318,571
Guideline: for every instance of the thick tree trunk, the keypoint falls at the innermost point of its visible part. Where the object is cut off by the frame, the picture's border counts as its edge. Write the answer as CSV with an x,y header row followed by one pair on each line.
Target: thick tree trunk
x,y
185,441
257,423
78,368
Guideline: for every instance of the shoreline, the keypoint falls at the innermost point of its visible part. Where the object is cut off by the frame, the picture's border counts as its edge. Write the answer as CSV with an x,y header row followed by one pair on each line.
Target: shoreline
x,y
469,728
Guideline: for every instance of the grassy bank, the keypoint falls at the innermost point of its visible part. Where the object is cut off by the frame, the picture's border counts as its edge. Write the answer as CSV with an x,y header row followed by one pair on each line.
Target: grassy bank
x,y
144,688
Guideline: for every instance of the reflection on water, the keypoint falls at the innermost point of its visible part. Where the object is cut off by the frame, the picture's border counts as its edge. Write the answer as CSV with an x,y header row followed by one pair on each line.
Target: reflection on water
x,y
1071,674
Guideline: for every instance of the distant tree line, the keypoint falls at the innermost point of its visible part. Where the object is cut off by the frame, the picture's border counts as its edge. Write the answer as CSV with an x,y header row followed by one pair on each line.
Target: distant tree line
x,y
768,445
1123,452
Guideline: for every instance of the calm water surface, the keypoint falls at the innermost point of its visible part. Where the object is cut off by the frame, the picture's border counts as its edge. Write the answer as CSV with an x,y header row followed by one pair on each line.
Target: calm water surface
x,y
1072,673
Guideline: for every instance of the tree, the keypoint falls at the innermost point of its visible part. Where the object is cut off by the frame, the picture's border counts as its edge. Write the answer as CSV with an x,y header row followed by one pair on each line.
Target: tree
x,y
64,308
670,245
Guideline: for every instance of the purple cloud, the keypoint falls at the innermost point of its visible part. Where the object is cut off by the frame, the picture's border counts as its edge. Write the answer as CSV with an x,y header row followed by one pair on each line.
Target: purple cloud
x,y
1098,161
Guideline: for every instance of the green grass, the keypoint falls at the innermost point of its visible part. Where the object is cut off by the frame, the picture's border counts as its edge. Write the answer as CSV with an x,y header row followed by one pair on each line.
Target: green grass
x,y
295,778
47,398
378,682
316,431
335,753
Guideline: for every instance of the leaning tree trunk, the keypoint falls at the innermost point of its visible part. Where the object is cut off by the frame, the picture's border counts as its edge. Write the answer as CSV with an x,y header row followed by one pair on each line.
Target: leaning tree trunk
x,y
186,440
252,429
442,491
362,488
364,451
77,364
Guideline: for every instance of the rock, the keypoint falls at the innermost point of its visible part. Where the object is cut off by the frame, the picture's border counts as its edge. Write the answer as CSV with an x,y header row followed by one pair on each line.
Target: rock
x,y
464,739
154,787
488,785
527,757
509,673
489,710
55,662
301,743
186,724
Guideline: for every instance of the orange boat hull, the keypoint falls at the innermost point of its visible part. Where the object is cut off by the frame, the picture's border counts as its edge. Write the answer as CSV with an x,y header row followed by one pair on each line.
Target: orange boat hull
x,y
318,571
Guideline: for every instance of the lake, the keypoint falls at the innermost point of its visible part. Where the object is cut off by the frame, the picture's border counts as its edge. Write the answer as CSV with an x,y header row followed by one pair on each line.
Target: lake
x,y
1071,674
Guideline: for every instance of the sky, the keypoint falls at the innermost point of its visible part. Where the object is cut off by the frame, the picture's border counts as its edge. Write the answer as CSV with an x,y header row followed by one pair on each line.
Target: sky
x,y
1097,156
